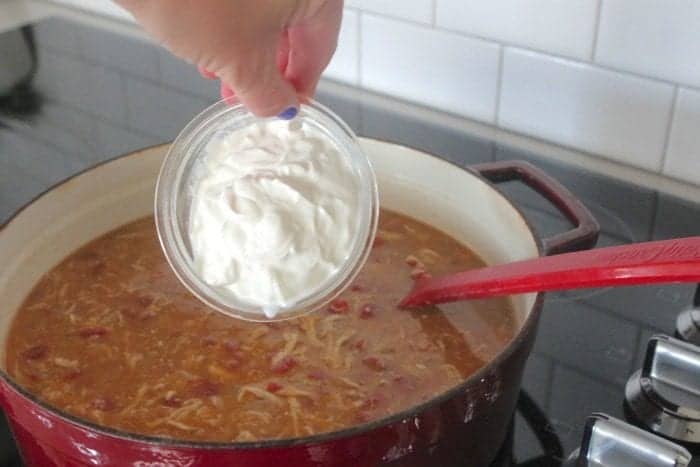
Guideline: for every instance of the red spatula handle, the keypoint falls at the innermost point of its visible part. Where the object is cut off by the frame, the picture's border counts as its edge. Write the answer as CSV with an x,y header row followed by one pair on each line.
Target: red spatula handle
x,y
640,263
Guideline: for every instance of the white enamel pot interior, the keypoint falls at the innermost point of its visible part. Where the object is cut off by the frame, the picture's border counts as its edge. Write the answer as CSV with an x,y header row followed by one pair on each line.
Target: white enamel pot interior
x,y
411,182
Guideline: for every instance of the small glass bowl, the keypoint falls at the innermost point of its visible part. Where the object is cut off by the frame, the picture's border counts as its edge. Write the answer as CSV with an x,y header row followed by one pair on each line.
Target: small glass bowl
x,y
176,184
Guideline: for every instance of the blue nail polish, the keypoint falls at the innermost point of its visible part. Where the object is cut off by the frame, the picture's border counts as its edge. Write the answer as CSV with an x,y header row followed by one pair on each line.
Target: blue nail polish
x,y
288,114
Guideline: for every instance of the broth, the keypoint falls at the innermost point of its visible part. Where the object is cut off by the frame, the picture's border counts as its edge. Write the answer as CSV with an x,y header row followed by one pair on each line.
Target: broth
x,y
110,335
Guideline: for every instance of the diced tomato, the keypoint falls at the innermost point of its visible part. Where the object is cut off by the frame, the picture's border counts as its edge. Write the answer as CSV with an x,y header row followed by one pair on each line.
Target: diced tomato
x,y
71,375
232,363
31,374
92,331
367,311
403,383
370,403
374,363
36,352
204,388
172,401
359,344
339,306
284,365
273,387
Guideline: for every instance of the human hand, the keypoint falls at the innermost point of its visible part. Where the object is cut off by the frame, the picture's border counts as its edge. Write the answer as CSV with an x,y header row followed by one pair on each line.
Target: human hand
x,y
270,53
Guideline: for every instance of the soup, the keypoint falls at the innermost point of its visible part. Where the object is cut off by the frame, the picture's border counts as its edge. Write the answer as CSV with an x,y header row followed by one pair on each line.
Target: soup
x,y
110,335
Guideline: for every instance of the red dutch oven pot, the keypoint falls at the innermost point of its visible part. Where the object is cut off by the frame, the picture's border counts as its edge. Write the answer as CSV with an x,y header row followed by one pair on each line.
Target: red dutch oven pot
x,y
463,426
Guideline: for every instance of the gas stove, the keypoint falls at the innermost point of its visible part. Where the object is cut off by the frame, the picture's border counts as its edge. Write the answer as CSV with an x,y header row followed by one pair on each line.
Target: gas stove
x,y
605,362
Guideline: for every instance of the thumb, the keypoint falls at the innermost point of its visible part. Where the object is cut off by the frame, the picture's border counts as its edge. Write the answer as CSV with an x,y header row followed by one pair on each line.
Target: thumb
x,y
255,78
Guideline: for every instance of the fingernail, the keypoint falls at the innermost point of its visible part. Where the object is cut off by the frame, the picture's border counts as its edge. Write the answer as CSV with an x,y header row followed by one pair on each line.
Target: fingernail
x,y
288,114
227,94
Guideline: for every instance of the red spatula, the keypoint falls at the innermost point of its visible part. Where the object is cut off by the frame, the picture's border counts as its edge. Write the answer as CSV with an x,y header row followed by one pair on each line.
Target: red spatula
x,y
639,263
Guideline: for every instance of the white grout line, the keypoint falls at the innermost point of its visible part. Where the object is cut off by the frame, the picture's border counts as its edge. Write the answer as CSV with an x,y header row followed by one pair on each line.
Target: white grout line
x,y
499,84
669,129
596,29
358,47
423,24
433,19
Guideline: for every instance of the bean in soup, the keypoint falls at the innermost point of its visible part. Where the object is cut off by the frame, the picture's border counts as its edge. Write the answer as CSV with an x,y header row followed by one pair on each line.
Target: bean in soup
x,y
111,336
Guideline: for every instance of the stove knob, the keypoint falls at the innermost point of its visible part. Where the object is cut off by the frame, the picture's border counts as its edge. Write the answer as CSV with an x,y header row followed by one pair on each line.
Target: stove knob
x,y
608,442
688,326
664,396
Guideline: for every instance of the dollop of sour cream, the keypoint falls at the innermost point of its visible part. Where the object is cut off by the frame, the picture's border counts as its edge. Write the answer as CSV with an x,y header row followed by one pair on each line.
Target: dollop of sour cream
x,y
274,213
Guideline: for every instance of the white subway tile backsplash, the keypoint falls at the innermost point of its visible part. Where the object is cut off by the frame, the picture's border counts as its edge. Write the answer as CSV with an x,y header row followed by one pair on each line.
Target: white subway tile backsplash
x,y
445,54
414,10
435,68
612,114
683,155
345,63
652,37
564,27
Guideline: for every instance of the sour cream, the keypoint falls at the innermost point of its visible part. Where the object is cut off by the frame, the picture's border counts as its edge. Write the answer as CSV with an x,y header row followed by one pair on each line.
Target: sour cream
x,y
274,214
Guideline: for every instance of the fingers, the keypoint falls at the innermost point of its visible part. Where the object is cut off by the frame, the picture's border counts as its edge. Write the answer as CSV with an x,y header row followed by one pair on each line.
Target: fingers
x,y
227,94
312,46
258,83
283,51
206,74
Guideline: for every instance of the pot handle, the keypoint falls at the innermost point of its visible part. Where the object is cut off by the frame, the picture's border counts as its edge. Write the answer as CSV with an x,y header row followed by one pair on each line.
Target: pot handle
x,y
583,236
